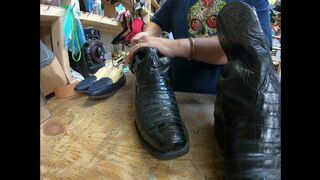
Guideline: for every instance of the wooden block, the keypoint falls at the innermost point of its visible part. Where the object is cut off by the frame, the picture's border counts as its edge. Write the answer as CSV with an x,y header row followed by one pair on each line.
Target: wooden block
x,y
58,46
45,36
155,4
52,76
65,91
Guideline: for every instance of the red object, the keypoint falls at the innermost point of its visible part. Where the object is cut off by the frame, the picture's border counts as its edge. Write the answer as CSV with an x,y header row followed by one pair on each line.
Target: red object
x,y
207,3
211,21
196,24
137,25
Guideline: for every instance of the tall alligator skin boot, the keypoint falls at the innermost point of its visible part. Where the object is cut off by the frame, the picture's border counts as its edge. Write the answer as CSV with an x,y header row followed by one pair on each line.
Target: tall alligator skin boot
x,y
159,125
247,107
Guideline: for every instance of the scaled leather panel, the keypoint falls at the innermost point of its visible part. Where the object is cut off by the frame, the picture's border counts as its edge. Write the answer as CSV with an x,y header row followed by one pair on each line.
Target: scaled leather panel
x,y
247,107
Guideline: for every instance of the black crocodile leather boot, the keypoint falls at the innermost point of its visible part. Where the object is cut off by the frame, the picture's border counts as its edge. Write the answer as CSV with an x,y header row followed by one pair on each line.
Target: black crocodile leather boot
x,y
247,107
159,125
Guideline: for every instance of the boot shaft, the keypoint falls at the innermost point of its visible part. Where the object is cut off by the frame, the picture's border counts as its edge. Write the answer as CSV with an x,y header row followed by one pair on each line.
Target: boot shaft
x,y
149,67
249,60
247,106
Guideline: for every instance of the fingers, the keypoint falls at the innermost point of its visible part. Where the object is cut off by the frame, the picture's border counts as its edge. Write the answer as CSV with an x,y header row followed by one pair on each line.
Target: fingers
x,y
140,36
139,40
135,39
133,49
134,46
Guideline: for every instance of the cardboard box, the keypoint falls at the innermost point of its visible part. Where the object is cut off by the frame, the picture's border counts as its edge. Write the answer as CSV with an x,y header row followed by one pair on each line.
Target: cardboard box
x,y
52,76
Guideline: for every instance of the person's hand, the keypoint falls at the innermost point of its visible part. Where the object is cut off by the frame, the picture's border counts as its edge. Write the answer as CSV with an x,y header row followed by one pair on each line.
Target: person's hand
x,y
276,28
143,39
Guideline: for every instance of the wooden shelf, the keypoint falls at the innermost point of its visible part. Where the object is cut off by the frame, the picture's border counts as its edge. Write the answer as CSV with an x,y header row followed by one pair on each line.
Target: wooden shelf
x,y
155,4
145,11
104,24
276,48
49,15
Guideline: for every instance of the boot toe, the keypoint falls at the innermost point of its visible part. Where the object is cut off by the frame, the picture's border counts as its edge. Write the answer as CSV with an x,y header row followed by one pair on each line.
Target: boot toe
x,y
172,138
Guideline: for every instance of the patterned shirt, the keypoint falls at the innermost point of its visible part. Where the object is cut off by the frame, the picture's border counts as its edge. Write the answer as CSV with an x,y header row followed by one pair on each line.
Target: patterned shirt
x,y
197,18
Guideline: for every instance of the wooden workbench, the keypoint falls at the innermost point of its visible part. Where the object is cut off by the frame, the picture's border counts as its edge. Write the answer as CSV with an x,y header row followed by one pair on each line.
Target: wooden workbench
x,y
97,140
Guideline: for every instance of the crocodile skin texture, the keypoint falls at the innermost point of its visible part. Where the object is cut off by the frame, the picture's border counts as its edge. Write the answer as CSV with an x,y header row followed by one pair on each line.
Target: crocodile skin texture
x,y
158,119
247,107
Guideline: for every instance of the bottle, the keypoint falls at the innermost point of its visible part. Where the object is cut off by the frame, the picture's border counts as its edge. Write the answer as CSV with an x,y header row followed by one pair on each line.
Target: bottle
x,y
102,9
97,7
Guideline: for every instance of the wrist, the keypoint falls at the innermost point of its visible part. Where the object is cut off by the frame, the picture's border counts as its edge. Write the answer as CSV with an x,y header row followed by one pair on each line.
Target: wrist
x,y
192,48
170,47
147,33
182,48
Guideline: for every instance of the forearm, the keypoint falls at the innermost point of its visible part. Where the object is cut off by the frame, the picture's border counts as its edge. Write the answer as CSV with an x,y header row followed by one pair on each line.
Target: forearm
x,y
207,50
153,29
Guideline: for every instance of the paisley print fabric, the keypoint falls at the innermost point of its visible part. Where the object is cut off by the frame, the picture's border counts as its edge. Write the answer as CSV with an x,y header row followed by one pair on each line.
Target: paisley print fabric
x,y
202,17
